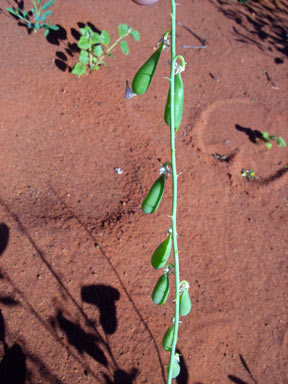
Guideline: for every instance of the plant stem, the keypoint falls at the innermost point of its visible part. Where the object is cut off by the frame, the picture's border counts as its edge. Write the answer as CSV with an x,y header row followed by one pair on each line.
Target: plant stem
x,y
174,198
112,46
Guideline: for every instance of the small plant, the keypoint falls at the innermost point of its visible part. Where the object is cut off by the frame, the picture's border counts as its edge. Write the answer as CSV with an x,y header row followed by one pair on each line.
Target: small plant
x,y
267,139
95,47
35,18
248,174
172,116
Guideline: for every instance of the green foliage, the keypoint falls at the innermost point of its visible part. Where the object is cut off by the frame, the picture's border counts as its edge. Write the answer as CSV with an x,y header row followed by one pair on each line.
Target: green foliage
x,y
267,139
35,19
95,47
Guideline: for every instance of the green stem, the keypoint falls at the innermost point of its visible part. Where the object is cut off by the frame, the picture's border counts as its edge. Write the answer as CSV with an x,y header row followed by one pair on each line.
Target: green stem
x,y
113,46
174,198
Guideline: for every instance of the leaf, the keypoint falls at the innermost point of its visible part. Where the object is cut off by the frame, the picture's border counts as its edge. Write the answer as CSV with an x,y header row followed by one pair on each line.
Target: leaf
x,y
105,38
45,15
281,142
123,30
98,50
12,11
47,31
124,47
84,43
54,27
265,136
136,35
269,145
79,69
47,5
84,57
95,38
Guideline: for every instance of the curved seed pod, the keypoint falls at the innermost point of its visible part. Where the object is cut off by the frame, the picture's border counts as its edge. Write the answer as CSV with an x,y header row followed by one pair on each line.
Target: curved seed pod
x,y
154,196
161,290
176,366
162,253
144,75
178,103
168,339
185,303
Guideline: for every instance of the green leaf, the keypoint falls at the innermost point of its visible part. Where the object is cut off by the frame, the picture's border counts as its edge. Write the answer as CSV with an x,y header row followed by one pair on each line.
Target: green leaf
x,y
39,2
95,38
47,5
47,31
12,11
96,67
84,57
281,142
269,145
84,42
124,47
265,136
25,14
98,50
136,35
122,29
45,15
54,27
105,38
79,69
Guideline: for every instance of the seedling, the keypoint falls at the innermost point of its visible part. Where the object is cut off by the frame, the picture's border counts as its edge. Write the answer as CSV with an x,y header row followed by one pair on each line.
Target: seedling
x,y
35,19
172,116
248,173
95,47
267,139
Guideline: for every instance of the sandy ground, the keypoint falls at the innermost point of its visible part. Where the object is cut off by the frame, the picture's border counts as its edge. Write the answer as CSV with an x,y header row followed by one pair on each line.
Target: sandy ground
x,y
75,247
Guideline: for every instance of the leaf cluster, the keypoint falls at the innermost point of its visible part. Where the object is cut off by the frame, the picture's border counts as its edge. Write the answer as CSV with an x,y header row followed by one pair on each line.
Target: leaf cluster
x,y
35,19
267,139
94,47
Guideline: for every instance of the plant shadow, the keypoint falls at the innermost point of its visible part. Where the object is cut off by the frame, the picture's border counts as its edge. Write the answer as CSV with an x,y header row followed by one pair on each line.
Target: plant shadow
x,y
253,134
104,298
71,48
13,364
4,237
262,24
76,336
237,380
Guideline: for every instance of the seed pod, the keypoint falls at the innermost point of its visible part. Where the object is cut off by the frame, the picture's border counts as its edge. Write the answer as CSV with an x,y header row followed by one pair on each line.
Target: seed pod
x,y
143,77
161,290
162,253
168,339
185,303
154,196
178,103
176,366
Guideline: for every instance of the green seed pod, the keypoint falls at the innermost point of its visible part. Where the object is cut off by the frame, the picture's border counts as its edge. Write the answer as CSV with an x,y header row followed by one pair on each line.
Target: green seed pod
x,y
185,303
162,253
178,103
176,366
161,290
168,339
154,196
143,77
